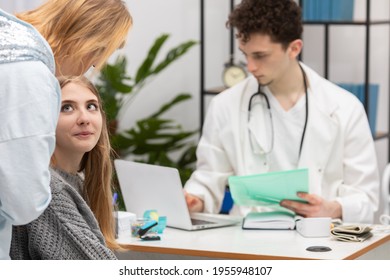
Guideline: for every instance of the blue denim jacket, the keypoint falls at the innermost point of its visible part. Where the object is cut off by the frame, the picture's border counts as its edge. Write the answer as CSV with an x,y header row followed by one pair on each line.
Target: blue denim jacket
x,y
29,107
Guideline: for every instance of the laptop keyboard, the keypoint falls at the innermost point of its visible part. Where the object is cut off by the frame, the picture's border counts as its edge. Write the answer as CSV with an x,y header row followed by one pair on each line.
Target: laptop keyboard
x,y
200,222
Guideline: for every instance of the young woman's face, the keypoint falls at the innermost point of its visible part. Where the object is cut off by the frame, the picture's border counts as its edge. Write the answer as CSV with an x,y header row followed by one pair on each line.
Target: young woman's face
x,y
80,121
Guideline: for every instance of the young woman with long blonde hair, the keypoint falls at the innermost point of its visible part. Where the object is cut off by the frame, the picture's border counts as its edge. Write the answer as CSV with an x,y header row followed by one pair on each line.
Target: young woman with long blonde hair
x,y
78,223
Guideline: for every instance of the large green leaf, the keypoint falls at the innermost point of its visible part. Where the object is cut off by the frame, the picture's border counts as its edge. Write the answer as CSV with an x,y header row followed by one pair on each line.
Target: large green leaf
x,y
179,98
153,139
144,70
154,135
110,104
174,54
115,75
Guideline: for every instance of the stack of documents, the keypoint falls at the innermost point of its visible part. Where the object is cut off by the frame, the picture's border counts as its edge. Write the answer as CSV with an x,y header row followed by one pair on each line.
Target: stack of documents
x,y
352,233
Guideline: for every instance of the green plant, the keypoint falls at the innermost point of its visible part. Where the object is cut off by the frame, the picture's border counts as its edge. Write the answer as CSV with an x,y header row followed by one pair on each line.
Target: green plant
x,y
153,139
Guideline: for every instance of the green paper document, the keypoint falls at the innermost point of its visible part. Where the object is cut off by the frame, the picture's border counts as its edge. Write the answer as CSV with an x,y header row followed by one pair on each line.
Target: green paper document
x,y
269,188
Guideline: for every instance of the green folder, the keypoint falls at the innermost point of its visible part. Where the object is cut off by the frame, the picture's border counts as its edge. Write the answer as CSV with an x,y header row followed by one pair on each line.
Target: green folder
x,y
269,188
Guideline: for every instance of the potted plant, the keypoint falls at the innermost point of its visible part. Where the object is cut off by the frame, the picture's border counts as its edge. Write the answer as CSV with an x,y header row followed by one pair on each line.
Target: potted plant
x,y
153,139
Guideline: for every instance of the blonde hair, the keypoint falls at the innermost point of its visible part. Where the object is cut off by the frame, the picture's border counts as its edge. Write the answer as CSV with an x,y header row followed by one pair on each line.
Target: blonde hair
x,y
78,28
97,167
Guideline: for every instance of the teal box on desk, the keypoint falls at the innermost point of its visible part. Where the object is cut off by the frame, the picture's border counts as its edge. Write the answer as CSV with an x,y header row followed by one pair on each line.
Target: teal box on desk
x,y
373,91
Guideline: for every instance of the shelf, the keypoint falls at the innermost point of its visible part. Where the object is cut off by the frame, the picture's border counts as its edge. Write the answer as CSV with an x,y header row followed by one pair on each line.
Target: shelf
x,y
214,91
381,135
322,22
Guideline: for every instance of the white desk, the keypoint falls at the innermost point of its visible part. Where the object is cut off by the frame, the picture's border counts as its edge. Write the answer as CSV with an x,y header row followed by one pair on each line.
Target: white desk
x,y
235,243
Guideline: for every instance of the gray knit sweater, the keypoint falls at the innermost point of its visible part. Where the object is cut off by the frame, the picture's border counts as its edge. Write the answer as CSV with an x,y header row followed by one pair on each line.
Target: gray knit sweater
x,y
66,230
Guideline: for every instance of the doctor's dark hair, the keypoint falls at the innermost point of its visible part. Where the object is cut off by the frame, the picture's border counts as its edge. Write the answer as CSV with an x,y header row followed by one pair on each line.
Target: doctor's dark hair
x,y
97,168
280,19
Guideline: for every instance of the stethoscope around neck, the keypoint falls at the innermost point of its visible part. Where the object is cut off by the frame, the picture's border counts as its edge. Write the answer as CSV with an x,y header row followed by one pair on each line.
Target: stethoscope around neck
x,y
261,93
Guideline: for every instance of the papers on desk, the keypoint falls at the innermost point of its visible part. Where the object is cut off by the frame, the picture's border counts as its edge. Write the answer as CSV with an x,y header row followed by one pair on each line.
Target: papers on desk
x,y
270,188
352,233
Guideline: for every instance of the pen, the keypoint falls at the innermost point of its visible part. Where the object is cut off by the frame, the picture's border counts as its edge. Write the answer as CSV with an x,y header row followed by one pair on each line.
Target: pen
x,y
114,198
115,206
147,226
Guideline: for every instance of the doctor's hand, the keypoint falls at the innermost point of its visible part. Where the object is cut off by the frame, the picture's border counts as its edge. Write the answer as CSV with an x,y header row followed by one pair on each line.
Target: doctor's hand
x,y
316,206
194,203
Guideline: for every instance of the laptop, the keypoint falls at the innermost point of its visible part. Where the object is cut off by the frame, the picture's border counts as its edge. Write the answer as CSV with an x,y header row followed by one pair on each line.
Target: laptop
x,y
153,187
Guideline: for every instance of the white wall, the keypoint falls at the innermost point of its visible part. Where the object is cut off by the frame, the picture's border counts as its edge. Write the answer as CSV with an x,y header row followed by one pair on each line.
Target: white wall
x,y
181,19
12,6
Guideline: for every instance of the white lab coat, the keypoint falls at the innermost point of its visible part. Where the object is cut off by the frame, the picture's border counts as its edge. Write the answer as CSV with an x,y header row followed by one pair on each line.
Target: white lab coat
x,y
338,149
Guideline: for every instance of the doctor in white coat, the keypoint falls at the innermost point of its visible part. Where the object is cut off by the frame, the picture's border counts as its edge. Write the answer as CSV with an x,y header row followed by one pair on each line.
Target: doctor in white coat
x,y
285,116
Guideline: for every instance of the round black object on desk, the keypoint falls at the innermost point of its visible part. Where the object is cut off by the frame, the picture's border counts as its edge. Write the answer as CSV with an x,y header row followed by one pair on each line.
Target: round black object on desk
x,y
318,249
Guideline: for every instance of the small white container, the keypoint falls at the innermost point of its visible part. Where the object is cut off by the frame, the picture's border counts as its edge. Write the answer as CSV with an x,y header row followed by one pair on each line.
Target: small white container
x,y
124,221
314,227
